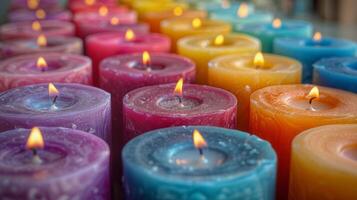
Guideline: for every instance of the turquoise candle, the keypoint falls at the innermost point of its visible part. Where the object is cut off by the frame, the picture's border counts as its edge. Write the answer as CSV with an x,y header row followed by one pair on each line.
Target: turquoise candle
x,y
222,6
268,32
225,164
337,73
309,50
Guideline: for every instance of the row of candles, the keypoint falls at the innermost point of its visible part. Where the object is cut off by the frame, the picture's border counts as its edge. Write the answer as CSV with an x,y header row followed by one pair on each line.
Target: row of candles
x,y
252,91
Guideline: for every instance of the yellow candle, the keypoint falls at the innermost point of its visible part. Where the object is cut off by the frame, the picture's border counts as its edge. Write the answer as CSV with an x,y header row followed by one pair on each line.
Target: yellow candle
x,y
178,28
279,113
324,164
144,6
243,74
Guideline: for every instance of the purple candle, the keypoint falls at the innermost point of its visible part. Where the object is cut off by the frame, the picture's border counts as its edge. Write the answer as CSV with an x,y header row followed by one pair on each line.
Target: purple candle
x,y
34,4
21,30
60,105
44,68
53,164
42,44
39,14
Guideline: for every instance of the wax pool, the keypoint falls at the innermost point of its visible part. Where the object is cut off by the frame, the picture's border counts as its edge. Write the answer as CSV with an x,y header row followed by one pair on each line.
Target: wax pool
x,y
279,113
164,163
75,165
59,67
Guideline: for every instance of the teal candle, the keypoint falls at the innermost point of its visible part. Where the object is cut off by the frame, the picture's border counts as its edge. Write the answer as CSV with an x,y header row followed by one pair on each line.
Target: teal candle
x,y
268,32
220,164
222,6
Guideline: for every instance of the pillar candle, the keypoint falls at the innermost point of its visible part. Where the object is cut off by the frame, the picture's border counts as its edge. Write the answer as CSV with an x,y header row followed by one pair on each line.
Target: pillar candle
x,y
202,49
116,43
145,6
34,4
44,68
178,28
242,76
279,113
72,165
310,50
21,30
326,158
225,164
76,106
337,73
223,6
83,6
57,44
267,32
40,14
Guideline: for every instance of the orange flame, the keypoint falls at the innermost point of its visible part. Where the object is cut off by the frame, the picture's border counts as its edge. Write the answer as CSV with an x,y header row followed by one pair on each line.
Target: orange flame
x,y
146,58
114,21
129,35
178,87
198,140
89,2
52,90
277,23
41,40
40,14
317,36
243,10
219,40
258,60
178,11
36,26
32,4
41,63
314,93
35,139
103,11
196,23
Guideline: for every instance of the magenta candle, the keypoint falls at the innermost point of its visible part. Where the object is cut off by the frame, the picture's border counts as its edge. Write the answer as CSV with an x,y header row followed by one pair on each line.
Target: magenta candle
x,y
159,107
103,45
59,44
32,15
34,4
71,165
21,30
81,6
44,68
76,106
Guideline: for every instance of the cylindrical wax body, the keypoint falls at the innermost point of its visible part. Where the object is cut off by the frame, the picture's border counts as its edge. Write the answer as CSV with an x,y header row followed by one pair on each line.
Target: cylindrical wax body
x,y
30,15
222,6
145,6
236,20
81,6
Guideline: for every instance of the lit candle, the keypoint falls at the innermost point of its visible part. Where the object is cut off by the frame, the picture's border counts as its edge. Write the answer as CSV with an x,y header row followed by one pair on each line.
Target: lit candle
x,y
93,6
144,6
268,32
202,49
255,71
337,73
177,28
34,4
220,164
279,113
326,158
223,6
309,50
39,14
49,163
44,68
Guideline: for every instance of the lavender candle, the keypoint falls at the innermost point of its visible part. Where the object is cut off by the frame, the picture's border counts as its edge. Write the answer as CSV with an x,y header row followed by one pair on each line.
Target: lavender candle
x,y
34,4
39,14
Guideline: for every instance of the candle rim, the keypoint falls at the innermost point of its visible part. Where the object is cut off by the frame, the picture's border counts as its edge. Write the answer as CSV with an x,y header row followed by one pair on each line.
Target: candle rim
x,y
337,66
213,25
266,27
300,43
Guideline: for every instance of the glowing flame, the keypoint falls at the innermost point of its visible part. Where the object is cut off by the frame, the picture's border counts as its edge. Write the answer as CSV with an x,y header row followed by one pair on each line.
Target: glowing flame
x,y
243,10
219,40
259,60
41,40
32,4
146,58
114,21
52,90
89,2
36,26
103,11
317,37
196,23
198,140
129,35
40,14
277,23
35,139
314,93
178,87
225,4
178,11
41,63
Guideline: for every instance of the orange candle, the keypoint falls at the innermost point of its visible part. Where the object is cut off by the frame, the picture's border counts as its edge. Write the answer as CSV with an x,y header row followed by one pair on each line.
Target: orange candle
x,y
324,164
279,113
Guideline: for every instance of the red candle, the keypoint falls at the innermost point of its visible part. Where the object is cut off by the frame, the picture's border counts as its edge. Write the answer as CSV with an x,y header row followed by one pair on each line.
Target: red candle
x,y
103,45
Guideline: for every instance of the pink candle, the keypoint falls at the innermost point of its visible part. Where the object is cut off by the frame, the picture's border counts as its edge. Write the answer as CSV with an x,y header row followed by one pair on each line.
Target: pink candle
x,y
44,68
21,30
39,14
83,6
103,45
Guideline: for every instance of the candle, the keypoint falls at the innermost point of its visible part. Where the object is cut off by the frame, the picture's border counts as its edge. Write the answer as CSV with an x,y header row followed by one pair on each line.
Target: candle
x,y
57,105
144,6
255,71
223,6
34,4
267,32
53,163
115,43
21,30
279,113
39,14
202,49
178,28
42,44
326,158
220,164
310,50
337,73
93,5
44,68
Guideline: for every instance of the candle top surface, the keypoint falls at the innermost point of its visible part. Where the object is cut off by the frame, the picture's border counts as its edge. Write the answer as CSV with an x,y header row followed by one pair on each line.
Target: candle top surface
x,y
197,100
267,28
325,44
35,100
171,13
332,146
185,24
238,154
29,15
66,152
222,6
95,17
346,66
293,100
261,16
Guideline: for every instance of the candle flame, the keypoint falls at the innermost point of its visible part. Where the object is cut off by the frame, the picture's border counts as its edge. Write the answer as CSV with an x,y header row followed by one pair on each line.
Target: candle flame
x,y
243,10
146,58
35,139
178,11
36,26
314,93
258,60
89,2
196,23
41,40
41,63
277,23
225,4
103,11
52,90
178,87
219,40
317,36
32,4
114,21
40,14
129,35
198,140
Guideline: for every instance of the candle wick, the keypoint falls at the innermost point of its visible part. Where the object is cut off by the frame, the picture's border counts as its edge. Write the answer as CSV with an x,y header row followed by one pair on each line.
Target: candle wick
x,y
34,152
200,150
179,98
310,102
54,100
36,158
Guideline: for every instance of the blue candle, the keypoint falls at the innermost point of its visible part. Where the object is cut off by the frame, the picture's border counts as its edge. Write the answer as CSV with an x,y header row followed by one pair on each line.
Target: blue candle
x,y
268,32
222,6
337,73
310,50
180,163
